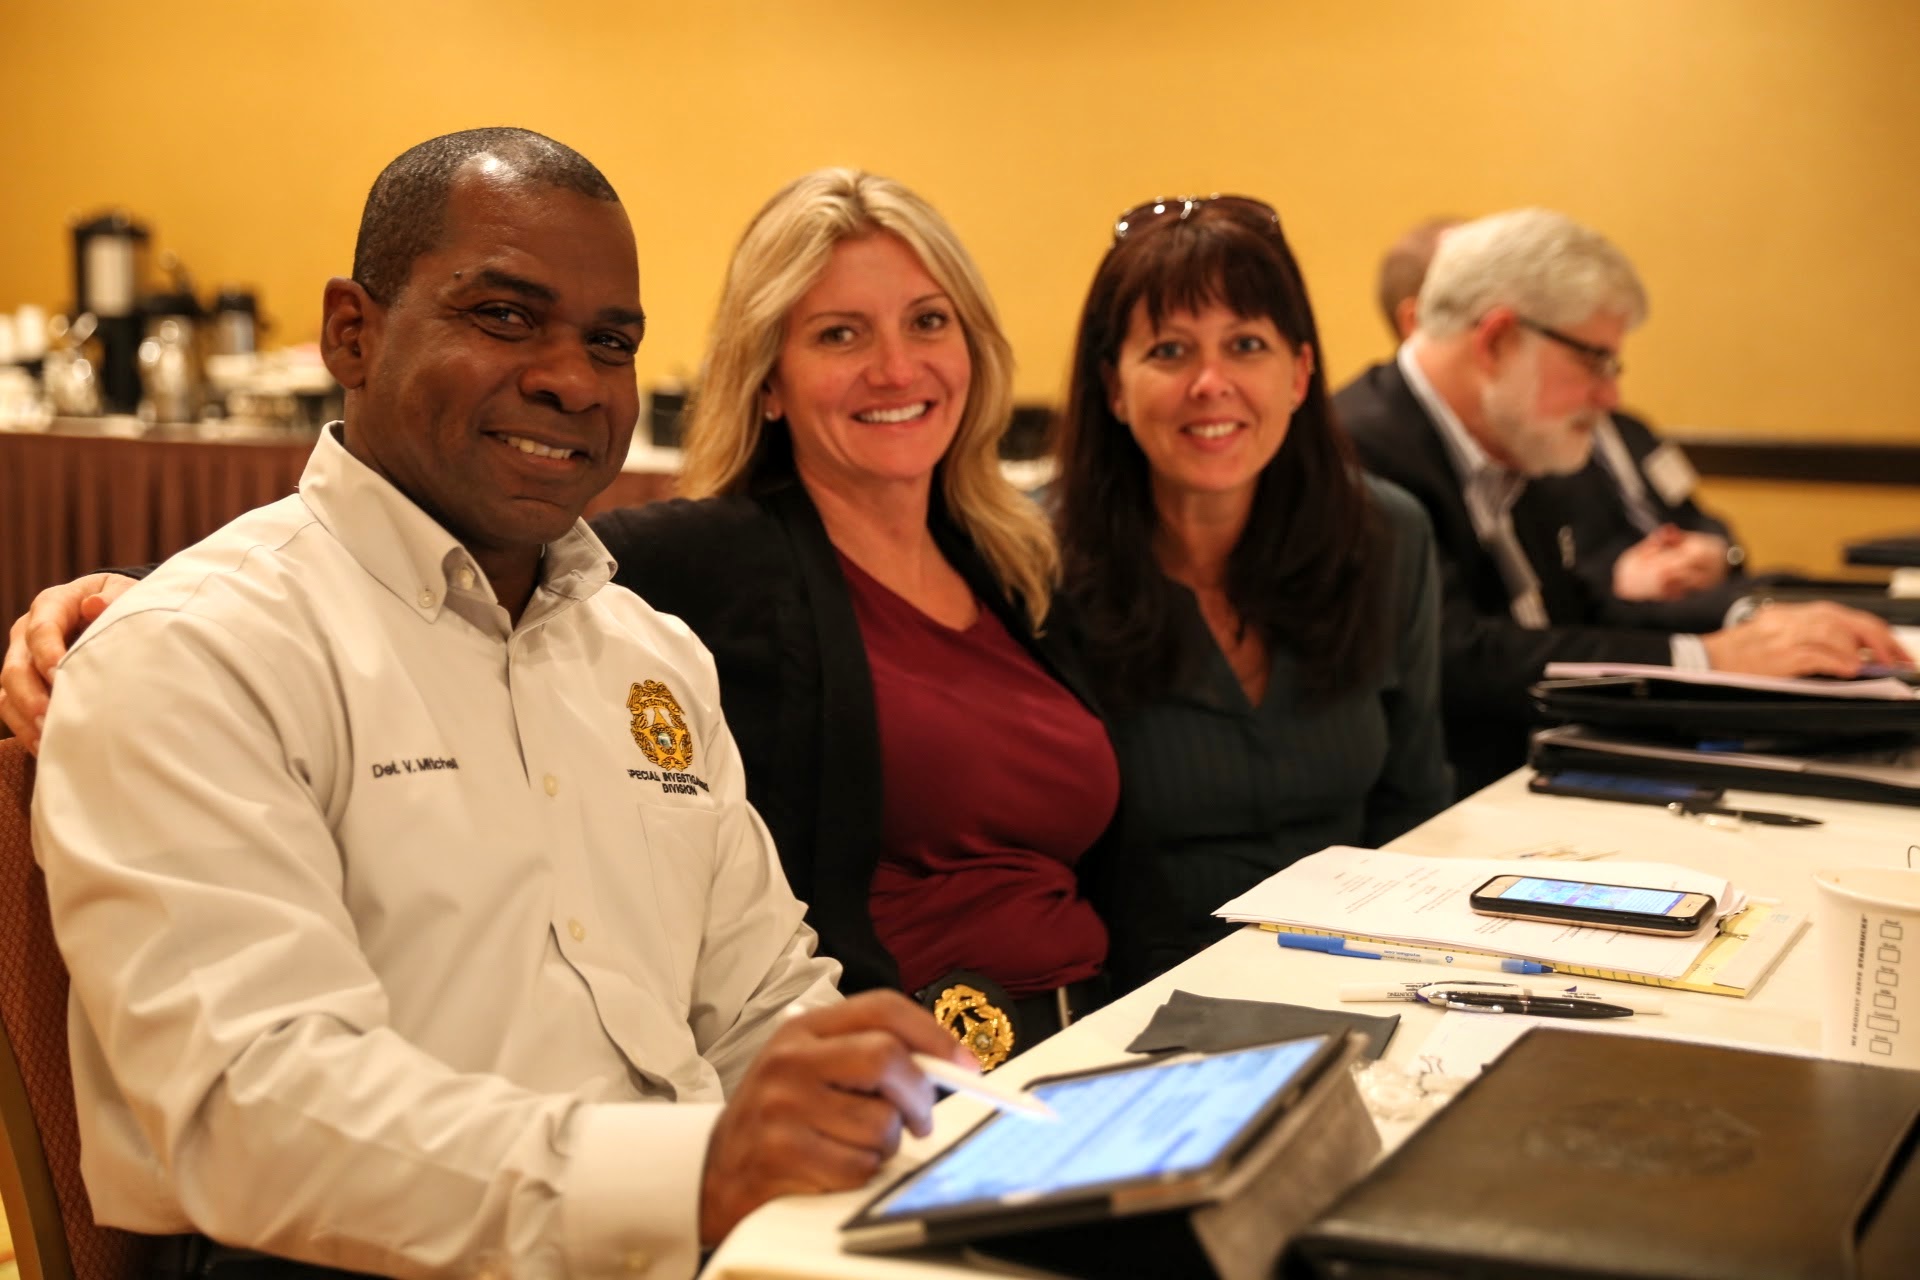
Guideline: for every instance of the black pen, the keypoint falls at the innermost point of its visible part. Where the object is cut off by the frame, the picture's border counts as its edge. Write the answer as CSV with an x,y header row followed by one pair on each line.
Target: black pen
x,y
1766,817
1545,1006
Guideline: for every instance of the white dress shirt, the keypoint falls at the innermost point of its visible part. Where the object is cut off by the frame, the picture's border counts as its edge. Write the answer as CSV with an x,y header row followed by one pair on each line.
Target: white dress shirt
x,y
1490,490
393,947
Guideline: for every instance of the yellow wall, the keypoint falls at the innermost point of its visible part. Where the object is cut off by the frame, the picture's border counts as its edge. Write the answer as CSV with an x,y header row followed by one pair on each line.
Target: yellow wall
x,y
1759,158
1805,527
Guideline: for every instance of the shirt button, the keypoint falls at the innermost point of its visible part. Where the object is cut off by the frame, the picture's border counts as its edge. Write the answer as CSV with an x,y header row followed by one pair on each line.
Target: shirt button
x,y
552,785
426,598
577,930
465,578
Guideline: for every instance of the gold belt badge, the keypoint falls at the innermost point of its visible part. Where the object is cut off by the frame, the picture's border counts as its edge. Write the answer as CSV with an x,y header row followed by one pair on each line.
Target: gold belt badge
x,y
974,1022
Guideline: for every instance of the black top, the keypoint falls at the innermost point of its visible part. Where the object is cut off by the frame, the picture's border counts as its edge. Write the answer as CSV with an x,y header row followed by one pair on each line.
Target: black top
x,y
1226,793
1487,660
757,580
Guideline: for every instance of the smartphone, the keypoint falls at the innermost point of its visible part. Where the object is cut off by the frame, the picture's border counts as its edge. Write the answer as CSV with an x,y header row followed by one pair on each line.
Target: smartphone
x,y
1604,906
1607,786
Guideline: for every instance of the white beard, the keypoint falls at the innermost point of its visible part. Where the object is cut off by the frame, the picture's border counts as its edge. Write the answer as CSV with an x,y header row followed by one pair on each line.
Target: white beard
x,y
1539,447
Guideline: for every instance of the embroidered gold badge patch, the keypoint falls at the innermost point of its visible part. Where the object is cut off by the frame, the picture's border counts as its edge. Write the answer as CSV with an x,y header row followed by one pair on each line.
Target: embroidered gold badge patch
x,y
975,1023
659,730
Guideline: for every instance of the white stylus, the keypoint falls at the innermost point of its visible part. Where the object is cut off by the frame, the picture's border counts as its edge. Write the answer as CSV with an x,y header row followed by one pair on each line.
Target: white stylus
x,y
948,1076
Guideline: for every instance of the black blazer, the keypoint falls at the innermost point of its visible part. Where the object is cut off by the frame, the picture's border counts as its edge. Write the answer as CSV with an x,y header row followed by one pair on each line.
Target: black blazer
x,y
1487,660
1589,502
758,582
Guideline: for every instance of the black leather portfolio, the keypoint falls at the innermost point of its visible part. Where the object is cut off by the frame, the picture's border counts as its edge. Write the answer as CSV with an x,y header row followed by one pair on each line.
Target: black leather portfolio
x,y
1678,709
1885,774
1897,551
1583,1155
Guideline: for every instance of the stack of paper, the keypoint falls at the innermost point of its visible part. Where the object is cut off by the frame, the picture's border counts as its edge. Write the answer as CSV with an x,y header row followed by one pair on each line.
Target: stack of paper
x,y
1879,689
1401,897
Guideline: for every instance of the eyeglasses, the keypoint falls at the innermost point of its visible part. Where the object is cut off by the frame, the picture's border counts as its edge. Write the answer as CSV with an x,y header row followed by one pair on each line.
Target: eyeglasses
x,y
1602,362
1183,207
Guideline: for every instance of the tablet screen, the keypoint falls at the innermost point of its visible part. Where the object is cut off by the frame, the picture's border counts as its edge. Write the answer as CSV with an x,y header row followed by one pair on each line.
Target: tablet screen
x,y
1155,1121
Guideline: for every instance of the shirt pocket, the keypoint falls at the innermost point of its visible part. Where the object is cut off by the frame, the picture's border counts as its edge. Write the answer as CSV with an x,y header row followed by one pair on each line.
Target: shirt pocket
x,y
679,853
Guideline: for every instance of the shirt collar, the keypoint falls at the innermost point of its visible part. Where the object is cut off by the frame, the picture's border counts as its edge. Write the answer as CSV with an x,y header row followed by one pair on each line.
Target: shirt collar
x,y
1477,470
410,554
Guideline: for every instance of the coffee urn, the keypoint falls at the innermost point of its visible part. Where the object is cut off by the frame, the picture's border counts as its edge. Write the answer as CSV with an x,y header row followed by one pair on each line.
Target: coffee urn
x,y
170,372
109,274
236,323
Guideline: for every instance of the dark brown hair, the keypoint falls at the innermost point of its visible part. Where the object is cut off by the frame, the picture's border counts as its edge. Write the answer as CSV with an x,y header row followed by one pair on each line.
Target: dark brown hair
x,y
1309,568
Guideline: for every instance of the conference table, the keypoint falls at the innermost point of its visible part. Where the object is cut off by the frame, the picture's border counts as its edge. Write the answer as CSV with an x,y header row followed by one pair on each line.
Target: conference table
x,y
797,1236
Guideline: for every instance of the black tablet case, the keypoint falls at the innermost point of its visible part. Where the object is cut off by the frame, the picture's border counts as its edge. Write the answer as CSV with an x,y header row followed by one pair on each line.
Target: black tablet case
x,y
1836,774
1897,551
1317,1149
1668,708
1583,1155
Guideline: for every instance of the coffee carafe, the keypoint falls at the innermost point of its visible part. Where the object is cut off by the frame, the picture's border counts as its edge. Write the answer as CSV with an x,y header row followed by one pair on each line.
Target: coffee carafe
x,y
109,273
170,374
236,323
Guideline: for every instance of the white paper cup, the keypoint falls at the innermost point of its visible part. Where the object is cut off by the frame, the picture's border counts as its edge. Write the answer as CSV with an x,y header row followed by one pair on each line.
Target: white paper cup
x,y
1869,931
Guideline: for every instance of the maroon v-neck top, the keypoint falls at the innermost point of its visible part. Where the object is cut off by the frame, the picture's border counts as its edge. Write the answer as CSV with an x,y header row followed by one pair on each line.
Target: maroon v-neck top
x,y
995,779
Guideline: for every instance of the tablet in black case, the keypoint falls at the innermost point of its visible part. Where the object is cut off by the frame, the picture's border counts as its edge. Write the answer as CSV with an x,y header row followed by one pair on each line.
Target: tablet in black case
x,y
1130,1139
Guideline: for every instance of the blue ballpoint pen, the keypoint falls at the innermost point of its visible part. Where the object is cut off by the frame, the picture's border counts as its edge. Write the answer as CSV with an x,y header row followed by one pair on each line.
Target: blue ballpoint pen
x,y
1335,946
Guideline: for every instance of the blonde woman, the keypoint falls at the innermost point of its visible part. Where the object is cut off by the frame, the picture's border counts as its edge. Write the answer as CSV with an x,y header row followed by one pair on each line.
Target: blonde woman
x,y
874,594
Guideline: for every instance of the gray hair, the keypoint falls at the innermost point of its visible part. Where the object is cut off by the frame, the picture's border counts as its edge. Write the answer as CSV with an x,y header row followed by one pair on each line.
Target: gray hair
x,y
1543,264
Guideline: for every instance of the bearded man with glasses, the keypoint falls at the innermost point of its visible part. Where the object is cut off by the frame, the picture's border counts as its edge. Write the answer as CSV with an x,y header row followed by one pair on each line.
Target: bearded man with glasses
x,y
1642,536
1515,365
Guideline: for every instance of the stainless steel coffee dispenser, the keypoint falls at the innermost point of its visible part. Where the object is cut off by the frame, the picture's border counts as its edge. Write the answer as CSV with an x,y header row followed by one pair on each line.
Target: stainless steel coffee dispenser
x,y
170,372
109,275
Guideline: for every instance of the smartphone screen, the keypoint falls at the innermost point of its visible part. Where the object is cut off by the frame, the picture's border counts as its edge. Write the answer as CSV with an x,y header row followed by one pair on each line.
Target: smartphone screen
x,y
1594,897
1634,908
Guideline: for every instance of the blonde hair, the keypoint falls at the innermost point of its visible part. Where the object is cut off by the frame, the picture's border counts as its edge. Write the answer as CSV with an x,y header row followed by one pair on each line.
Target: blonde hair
x,y
782,254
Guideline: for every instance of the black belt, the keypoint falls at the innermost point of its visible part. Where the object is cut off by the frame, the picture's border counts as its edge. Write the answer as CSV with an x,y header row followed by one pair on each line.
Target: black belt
x,y
189,1257
1058,1009
979,1013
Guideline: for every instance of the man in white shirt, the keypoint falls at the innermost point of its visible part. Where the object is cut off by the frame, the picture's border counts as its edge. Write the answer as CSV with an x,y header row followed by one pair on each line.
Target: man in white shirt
x,y
417,919
1515,362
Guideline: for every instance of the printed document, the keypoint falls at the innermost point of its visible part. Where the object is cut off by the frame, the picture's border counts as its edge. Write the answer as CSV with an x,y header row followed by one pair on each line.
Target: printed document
x,y
1403,897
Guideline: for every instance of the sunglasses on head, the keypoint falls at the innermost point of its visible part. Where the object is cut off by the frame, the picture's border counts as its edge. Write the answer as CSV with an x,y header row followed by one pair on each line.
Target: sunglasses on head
x,y
1181,208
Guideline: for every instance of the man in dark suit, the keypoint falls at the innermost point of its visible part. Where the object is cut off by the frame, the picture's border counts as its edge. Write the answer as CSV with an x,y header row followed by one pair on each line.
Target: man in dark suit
x,y
1643,540
1514,366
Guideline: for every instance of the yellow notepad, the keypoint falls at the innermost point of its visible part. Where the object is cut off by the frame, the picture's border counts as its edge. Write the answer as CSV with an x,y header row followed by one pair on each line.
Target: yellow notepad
x,y
1748,946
